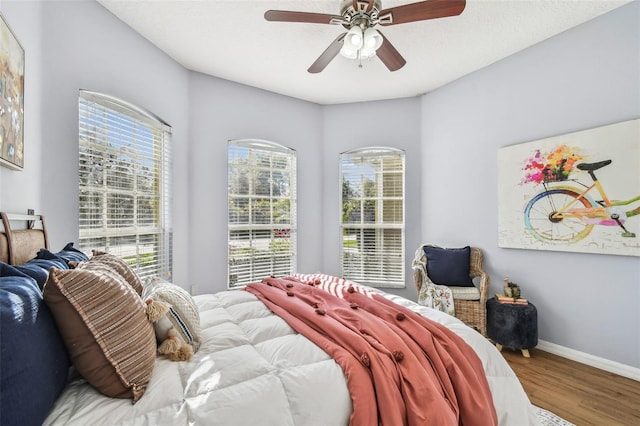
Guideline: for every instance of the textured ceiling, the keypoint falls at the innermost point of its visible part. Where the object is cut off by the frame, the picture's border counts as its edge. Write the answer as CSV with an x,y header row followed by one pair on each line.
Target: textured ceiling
x,y
231,39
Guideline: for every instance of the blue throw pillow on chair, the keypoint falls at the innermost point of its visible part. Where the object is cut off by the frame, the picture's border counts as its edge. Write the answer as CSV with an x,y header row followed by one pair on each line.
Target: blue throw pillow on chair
x,y
449,266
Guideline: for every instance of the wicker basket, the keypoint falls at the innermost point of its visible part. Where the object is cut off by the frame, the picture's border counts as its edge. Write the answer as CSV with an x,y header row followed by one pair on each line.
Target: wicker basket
x,y
471,312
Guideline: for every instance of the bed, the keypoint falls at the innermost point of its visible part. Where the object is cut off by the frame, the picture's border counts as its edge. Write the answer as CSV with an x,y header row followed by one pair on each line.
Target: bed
x,y
251,367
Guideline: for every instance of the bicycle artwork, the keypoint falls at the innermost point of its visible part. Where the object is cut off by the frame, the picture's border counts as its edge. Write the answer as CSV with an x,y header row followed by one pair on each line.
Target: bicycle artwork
x,y
567,204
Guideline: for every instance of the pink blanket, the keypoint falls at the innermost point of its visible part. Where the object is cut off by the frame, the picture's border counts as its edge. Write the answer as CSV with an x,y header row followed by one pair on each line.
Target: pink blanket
x,y
401,368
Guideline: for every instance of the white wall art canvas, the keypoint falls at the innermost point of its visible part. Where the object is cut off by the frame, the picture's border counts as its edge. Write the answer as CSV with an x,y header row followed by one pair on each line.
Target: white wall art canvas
x,y
577,192
11,99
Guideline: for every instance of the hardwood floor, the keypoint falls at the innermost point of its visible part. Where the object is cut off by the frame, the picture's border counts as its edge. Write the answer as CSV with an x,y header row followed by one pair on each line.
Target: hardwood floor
x,y
576,392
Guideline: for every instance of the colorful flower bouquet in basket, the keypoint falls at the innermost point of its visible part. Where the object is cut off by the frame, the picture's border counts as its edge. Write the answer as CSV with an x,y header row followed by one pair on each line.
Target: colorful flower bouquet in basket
x,y
553,166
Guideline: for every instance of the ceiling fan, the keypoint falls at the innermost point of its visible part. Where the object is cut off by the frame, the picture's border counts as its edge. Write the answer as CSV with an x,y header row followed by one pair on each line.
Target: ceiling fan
x,y
359,17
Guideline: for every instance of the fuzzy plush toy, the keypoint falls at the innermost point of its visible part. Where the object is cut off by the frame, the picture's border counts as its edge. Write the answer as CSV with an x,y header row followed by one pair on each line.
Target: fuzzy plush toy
x,y
175,318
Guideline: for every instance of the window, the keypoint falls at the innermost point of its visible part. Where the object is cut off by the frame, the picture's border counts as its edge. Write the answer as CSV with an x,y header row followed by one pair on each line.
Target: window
x,y
125,193
262,211
372,249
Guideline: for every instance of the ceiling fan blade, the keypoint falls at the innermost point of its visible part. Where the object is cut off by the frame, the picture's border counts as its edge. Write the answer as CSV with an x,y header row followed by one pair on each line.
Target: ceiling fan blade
x,y
389,55
327,56
307,17
421,11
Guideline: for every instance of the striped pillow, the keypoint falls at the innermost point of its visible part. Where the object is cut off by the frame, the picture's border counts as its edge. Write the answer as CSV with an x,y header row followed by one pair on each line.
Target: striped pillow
x,y
119,266
183,314
332,284
105,328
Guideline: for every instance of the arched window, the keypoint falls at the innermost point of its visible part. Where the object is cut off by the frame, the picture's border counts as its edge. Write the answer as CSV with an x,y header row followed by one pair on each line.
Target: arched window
x,y
262,211
372,222
125,191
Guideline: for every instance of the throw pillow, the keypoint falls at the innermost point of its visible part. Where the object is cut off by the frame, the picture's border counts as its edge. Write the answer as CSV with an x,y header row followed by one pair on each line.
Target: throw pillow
x,y
38,269
33,357
105,328
175,317
69,254
448,266
332,284
119,266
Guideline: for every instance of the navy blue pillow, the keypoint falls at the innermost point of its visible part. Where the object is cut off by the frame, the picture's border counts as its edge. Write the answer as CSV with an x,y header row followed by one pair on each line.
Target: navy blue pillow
x,y
38,269
34,359
69,254
449,266
37,273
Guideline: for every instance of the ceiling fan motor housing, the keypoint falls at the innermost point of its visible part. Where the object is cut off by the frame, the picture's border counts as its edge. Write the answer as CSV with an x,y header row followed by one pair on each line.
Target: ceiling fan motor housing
x,y
359,14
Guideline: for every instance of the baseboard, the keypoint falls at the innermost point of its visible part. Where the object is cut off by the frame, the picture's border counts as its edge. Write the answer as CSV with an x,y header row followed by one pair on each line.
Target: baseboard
x,y
594,361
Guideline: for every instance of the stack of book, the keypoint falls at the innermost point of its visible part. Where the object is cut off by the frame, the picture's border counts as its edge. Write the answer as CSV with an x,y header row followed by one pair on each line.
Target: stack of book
x,y
501,298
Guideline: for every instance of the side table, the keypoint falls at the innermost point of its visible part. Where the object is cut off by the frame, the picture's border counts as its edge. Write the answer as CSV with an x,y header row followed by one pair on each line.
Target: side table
x,y
512,325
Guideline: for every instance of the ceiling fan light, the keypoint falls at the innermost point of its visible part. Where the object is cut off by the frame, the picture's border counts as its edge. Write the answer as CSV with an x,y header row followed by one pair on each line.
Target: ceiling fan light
x,y
372,39
354,38
349,52
366,53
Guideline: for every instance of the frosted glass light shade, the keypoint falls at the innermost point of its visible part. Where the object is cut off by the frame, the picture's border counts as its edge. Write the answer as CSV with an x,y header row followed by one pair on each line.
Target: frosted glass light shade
x,y
361,44
372,39
352,43
349,52
354,38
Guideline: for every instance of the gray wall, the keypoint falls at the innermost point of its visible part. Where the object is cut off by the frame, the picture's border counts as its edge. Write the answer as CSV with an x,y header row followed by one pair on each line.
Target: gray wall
x,y
584,78
72,45
222,111
394,123
21,190
581,79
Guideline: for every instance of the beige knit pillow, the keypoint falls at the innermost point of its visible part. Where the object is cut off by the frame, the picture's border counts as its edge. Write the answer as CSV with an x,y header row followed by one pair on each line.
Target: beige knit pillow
x,y
105,328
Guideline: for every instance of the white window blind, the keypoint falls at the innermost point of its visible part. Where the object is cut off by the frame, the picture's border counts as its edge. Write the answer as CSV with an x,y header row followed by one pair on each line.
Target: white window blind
x,y
125,191
372,223
262,211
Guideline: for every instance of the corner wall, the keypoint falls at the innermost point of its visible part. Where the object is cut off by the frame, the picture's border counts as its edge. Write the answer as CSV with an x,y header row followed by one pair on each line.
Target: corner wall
x,y
586,77
221,111
72,45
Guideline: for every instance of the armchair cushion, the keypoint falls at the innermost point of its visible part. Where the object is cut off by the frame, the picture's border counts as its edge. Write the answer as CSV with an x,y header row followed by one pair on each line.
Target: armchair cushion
x,y
448,266
465,293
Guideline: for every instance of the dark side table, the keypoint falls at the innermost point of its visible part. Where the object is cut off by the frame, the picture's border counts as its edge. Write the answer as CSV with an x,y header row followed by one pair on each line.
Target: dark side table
x,y
512,325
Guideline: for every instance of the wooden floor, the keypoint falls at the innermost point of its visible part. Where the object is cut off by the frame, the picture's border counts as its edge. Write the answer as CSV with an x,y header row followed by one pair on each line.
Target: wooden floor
x,y
576,392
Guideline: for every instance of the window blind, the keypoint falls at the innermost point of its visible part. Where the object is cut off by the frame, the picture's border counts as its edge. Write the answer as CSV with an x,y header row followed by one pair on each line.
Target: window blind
x,y
261,211
124,183
372,222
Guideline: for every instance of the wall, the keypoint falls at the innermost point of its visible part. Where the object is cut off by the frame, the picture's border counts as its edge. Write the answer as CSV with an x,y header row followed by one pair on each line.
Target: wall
x,y
394,123
223,111
584,78
80,45
72,45
17,192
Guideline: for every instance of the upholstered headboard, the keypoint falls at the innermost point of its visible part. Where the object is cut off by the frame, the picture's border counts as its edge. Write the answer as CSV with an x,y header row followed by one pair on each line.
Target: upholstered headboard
x,y
17,246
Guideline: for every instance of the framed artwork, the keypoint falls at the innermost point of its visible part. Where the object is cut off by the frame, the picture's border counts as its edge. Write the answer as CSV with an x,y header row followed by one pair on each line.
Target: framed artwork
x,y
577,192
11,99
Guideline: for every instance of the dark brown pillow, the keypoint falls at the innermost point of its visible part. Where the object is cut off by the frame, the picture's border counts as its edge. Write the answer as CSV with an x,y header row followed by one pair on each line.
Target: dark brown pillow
x,y
105,328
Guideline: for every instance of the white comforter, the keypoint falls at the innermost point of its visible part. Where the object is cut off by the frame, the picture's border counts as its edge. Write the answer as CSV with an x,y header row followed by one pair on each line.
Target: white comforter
x,y
253,369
